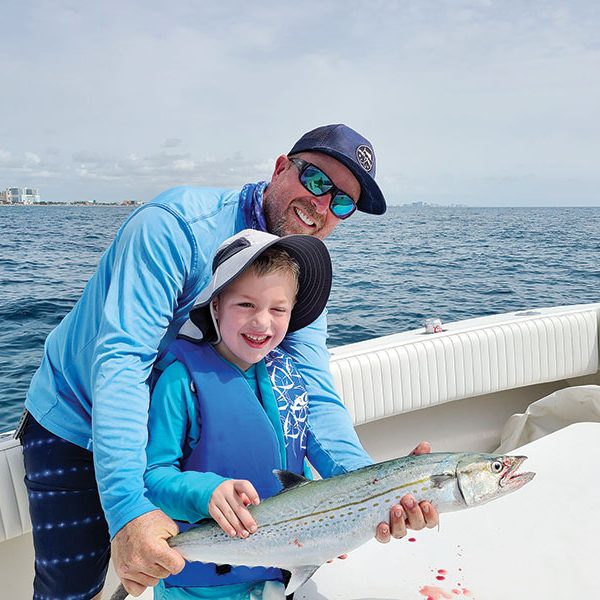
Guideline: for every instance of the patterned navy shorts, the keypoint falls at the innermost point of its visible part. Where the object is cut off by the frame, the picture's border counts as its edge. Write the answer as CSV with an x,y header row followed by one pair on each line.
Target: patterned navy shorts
x,y
70,533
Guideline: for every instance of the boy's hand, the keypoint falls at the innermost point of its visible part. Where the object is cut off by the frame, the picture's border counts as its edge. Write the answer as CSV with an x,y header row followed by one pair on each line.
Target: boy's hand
x,y
408,514
227,507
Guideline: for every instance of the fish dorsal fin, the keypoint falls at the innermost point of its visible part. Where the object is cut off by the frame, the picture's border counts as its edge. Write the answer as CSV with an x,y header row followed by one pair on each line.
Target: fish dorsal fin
x,y
299,576
289,480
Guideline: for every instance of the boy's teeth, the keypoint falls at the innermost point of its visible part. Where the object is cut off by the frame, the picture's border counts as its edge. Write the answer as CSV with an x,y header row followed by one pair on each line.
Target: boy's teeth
x,y
256,338
304,217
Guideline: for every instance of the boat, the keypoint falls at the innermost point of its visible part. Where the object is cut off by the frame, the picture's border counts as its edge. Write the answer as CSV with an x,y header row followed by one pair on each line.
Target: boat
x,y
476,385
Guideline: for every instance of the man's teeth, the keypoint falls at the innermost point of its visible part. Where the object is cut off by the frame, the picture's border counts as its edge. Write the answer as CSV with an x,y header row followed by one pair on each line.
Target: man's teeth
x,y
304,217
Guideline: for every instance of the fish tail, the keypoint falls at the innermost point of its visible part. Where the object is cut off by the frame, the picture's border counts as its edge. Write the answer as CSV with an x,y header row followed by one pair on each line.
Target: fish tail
x,y
120,593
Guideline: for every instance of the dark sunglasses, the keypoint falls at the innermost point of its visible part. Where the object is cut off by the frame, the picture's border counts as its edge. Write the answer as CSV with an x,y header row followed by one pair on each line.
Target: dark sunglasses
x,y
318,184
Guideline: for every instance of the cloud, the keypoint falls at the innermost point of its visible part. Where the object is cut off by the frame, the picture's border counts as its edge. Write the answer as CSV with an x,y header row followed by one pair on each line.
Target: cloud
x,y
163,168
31,159
172,143
26,162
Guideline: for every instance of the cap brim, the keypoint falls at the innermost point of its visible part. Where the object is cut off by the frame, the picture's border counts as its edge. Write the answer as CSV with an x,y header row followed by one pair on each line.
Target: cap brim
x,y
371,197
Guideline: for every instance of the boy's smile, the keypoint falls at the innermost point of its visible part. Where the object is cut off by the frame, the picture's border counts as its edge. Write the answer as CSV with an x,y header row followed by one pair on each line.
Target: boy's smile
x,y
256,341
253,314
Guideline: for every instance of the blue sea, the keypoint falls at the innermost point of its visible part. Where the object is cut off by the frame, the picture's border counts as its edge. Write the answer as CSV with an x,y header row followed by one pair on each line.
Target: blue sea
x,y
390,272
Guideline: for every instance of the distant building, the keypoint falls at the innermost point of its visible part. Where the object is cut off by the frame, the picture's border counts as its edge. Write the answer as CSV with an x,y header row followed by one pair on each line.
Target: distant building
x,y
21,195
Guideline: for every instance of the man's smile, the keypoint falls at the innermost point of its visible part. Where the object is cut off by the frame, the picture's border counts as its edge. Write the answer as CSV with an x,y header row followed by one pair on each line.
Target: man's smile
x,y
305,215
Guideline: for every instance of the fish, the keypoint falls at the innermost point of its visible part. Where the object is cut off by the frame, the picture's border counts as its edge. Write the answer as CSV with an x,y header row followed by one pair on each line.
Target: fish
x,y
312,521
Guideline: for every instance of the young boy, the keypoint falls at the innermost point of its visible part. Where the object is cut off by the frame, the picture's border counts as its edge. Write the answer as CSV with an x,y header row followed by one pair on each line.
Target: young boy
x,y
232,407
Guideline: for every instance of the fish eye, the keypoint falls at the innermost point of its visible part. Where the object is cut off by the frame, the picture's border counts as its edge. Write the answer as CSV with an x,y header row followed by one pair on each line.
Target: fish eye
x,y
497,466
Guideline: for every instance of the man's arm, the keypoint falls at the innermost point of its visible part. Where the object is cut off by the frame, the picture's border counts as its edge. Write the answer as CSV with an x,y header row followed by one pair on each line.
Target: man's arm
x,y
152,254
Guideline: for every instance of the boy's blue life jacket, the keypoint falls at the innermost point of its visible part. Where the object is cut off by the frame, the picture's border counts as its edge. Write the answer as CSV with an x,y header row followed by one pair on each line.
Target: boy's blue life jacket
x,y
239,441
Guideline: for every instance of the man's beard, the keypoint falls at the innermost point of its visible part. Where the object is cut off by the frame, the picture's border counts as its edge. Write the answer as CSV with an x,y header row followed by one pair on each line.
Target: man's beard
x,y
284,223
276,226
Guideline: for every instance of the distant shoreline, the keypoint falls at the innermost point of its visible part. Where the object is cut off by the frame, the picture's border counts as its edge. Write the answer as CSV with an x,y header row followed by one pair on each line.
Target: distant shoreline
x,y
90,204
409,206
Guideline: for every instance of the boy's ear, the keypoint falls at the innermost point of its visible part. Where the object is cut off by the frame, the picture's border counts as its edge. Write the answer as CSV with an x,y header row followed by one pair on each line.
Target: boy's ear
x,y
215,306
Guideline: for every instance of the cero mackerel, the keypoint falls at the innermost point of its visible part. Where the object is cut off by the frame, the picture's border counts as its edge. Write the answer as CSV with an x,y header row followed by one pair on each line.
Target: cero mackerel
x,y
311,522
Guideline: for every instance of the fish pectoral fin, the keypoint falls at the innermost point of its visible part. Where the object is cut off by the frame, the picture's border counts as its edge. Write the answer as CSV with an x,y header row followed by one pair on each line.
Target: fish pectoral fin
x,y
288,479
300,575
439,481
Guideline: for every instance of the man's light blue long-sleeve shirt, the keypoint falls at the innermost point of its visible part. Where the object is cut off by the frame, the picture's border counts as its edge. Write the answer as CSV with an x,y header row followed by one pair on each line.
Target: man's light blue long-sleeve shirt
x,y
92,385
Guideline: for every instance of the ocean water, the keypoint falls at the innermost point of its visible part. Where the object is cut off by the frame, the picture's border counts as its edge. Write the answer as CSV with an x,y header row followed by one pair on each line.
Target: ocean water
x,y
390,272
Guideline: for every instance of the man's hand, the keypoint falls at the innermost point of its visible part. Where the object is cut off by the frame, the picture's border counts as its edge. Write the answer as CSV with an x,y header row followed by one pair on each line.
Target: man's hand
x,y
140,552
227,507
409,514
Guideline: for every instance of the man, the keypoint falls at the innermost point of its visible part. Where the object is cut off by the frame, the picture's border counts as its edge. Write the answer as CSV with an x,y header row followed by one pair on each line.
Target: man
x,y
86,433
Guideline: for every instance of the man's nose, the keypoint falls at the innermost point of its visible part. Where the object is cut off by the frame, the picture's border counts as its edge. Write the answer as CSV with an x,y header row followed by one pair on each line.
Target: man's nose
x,y
321,203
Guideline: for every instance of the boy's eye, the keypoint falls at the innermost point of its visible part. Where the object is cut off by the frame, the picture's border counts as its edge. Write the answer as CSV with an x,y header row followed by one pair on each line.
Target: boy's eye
x,y
245,304
280,309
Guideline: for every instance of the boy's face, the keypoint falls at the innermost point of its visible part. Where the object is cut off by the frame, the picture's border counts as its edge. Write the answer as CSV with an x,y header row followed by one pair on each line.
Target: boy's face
x,y
253,314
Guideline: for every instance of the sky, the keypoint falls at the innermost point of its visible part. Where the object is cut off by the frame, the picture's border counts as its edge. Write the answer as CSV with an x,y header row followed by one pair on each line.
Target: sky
x,y
487,103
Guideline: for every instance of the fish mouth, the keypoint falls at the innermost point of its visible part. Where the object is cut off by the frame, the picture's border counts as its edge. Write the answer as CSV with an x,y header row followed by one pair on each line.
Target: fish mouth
x,y
512,478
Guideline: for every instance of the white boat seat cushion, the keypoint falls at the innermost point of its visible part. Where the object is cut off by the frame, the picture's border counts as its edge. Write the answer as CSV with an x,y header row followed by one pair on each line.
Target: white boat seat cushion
x,y
405,372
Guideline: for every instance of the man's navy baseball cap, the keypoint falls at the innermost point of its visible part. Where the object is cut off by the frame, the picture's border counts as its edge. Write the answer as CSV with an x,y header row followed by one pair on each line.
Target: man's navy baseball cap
x,y
352,150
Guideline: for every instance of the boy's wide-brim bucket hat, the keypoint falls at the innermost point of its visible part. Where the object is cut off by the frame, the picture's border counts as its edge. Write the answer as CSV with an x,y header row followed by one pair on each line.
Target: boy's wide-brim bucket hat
x,y
352,150
236,253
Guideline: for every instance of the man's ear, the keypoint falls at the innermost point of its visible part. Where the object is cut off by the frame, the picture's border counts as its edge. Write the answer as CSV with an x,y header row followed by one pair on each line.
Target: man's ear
x,y
281,164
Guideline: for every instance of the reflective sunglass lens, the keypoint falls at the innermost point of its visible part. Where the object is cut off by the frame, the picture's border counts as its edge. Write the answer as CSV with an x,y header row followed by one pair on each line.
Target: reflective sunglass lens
x,y
342,206
315,181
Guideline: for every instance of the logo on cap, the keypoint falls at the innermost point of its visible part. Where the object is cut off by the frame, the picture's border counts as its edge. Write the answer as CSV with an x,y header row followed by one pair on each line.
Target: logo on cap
x,y
364,154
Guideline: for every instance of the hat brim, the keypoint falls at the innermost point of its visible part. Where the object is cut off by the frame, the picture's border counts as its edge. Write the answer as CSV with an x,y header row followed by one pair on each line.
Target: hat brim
x,y
313,290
